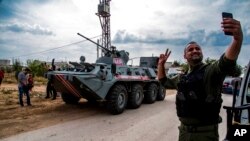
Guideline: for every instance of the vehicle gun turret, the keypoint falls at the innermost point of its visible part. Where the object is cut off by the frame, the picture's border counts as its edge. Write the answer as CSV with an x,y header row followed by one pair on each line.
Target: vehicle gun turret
x,y
110,56
110,79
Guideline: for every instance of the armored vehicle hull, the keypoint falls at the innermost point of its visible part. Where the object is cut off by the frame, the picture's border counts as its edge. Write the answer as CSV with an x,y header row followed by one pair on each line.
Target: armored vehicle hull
x,y
119,86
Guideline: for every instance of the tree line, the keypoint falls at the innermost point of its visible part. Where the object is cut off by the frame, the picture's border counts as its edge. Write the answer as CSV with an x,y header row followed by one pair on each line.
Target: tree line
x,y
37,67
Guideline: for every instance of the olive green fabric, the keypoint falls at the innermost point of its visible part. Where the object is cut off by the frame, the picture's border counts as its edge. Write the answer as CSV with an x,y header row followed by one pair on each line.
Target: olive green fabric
x,y
206,133
171,83
214,76
213,79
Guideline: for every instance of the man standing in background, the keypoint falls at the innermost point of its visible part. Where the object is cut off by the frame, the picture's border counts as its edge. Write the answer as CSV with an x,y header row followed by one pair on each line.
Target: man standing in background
x,y
23,86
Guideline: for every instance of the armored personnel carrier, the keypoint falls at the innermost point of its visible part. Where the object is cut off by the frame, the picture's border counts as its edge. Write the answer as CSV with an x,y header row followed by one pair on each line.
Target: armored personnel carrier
x,y
110,79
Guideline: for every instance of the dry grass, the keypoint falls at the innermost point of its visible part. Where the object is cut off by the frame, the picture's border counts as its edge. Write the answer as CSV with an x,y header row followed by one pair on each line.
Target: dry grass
x,y
40,81
15,119
9,98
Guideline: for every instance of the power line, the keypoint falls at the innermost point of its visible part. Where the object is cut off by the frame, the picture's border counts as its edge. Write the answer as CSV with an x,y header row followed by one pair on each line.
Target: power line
x,y
33,53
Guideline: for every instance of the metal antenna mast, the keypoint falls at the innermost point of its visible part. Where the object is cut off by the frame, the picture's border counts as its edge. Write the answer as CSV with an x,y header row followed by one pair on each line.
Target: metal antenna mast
x,y
104,17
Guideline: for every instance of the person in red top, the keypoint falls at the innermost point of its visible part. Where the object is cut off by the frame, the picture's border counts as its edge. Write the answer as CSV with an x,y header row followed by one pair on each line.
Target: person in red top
x,y
1,75
30,82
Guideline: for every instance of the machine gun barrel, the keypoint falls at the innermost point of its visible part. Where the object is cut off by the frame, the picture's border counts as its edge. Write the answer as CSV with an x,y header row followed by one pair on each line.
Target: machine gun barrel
x,y
94,42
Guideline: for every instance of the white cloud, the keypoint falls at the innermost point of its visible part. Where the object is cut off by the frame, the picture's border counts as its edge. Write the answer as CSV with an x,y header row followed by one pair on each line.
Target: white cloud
x,y
25,28
139,19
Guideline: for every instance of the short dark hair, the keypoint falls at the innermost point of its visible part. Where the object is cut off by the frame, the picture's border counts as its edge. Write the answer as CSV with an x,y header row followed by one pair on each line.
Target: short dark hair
x,y
189,43
26,69
192,42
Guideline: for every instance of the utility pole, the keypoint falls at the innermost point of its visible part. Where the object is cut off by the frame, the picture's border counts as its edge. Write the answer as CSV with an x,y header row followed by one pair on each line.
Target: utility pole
x,y
97,49
104,17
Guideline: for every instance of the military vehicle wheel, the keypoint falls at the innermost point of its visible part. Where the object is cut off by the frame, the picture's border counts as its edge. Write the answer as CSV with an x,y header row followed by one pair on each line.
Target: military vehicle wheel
x,y
136,96
161,93
69,98
117,99
151,93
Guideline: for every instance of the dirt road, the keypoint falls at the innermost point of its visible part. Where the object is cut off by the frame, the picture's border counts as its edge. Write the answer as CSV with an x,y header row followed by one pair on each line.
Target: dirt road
x,y
44,112
151,122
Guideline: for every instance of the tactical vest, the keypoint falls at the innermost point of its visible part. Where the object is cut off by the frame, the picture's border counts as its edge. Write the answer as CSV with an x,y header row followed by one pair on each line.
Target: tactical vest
x,y
191,98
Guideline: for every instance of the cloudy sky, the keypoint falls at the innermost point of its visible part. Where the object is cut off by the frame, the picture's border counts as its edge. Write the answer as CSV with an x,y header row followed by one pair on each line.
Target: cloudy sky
x,y
47,29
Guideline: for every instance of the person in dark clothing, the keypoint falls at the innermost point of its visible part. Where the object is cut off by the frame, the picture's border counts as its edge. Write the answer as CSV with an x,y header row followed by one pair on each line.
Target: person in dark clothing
x,y
50,90
198,99
1,75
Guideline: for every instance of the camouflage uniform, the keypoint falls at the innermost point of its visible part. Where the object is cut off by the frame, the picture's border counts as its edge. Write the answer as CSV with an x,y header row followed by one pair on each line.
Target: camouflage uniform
x,y
198,100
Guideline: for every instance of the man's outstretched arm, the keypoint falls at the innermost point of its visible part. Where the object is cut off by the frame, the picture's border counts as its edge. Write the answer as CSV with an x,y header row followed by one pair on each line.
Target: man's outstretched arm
x,y
234,26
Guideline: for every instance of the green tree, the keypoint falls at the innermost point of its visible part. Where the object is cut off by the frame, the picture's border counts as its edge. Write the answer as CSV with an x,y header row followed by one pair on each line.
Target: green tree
x,y
36,67
17,65
237,72
184,67
209,60
176,64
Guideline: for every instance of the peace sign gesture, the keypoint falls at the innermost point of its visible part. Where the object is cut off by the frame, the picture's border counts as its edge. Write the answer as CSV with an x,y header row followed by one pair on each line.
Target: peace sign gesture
x,y
164,57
